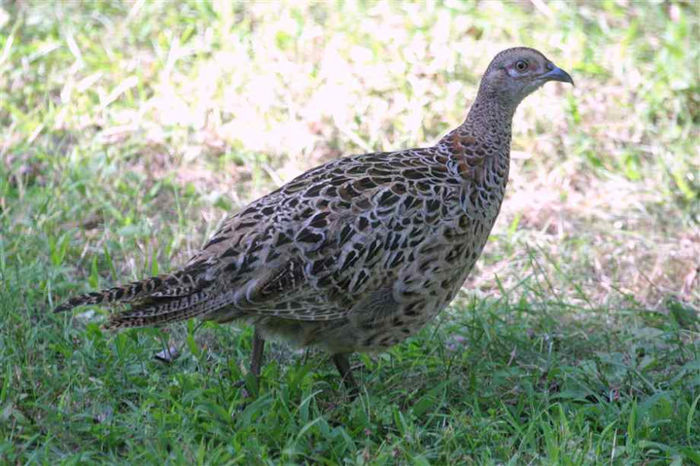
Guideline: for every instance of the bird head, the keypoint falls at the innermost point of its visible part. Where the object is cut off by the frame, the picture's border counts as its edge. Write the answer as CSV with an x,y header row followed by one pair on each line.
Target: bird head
x,y
517,72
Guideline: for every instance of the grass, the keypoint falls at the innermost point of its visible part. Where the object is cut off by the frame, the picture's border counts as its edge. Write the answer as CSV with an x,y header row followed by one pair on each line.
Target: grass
x,y
129,130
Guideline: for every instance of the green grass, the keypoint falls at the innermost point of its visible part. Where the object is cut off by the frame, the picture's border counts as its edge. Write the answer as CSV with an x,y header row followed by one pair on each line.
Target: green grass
x,y
128,131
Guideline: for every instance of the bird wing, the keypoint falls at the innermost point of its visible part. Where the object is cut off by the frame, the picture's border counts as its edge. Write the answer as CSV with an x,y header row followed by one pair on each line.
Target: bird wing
x,y
320,243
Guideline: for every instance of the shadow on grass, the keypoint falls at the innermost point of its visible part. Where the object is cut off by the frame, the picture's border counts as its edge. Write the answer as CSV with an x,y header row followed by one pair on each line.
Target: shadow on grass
x,y
491,381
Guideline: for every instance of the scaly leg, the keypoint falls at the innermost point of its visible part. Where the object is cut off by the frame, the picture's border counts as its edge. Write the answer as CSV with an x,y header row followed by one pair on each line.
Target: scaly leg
x,y
255,363
341,362
257,355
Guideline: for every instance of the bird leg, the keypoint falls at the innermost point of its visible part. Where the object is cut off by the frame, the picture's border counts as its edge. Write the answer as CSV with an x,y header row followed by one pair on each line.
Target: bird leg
x,y
255,364
257,354
341,362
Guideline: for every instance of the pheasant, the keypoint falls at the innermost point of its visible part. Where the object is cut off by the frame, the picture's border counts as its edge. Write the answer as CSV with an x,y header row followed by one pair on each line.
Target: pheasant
x,y
358,253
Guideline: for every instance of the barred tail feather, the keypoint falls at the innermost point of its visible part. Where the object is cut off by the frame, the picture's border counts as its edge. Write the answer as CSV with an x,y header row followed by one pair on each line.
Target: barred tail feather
x,y
179,284
123,294
197,304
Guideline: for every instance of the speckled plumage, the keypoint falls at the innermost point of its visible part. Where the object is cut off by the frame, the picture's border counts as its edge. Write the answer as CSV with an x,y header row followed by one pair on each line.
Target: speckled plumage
x,y
359,253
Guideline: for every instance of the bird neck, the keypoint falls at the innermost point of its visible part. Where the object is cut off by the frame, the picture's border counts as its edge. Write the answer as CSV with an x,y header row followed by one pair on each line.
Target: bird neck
x,y
479,149
489,125
491,117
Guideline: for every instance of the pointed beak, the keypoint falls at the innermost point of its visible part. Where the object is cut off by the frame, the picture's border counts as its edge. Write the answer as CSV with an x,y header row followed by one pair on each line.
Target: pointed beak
x,y
557,74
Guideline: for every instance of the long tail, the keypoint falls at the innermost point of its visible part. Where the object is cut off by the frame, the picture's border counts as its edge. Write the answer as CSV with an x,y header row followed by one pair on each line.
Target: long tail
x,y
156,300
119,294
197,304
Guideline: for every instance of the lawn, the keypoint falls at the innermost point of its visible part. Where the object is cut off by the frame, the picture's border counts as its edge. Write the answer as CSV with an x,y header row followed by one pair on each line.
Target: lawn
x,y
128,131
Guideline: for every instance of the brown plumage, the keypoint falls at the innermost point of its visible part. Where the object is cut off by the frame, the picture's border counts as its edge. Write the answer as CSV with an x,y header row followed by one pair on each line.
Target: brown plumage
x,y
359,253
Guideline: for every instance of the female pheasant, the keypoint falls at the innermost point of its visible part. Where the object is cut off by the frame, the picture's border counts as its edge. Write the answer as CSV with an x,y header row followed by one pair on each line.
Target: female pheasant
x,y
359,253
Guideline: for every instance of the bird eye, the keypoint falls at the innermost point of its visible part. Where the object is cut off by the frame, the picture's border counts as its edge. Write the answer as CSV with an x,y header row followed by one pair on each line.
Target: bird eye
x,y
521,65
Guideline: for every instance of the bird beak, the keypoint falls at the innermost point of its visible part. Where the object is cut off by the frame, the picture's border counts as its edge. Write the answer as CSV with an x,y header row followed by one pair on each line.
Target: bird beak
x,y
557,74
